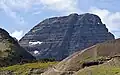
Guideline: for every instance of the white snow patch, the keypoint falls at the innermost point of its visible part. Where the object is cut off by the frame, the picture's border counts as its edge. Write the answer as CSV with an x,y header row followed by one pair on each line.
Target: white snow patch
x,y
98,23
36,52
35,43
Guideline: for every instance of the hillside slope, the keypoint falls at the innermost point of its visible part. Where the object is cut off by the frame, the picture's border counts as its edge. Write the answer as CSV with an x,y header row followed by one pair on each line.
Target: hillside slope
x,y
96,55
10,51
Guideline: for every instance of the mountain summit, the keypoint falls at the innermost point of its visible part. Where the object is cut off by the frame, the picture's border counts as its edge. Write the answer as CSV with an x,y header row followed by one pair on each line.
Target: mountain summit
x,y
59,37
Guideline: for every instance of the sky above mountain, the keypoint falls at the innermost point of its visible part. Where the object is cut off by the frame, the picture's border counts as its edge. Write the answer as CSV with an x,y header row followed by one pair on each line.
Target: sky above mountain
x,y
19,16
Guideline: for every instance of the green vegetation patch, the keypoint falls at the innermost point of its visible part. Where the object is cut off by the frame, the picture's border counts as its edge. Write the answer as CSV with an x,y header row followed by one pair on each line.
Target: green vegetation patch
x,y
100,70
25,68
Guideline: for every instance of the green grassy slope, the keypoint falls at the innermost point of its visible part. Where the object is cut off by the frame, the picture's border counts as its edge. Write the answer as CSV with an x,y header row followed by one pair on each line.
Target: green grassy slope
x,y
26,69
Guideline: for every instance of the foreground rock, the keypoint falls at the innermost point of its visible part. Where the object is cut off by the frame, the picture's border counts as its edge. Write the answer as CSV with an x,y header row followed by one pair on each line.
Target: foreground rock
x,y
10,51
59,37
111,67
106,55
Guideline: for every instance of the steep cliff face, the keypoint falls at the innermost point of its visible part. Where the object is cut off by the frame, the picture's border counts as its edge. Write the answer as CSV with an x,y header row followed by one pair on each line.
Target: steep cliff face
x,y
59,37
10,51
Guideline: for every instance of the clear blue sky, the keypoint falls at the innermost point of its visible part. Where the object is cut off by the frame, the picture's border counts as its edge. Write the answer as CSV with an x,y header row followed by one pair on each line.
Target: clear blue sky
x,y
19,16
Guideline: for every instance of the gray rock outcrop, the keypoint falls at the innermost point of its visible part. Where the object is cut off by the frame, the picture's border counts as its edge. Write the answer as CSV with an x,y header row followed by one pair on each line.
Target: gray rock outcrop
x,y
59,37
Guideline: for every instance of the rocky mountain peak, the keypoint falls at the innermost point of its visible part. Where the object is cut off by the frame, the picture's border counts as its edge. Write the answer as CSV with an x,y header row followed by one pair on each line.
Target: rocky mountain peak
x,y
73,15
86,18
91,19
59,37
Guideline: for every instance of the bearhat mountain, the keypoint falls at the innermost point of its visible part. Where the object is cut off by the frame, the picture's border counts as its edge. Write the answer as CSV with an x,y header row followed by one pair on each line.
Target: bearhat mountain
x,y
59,37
